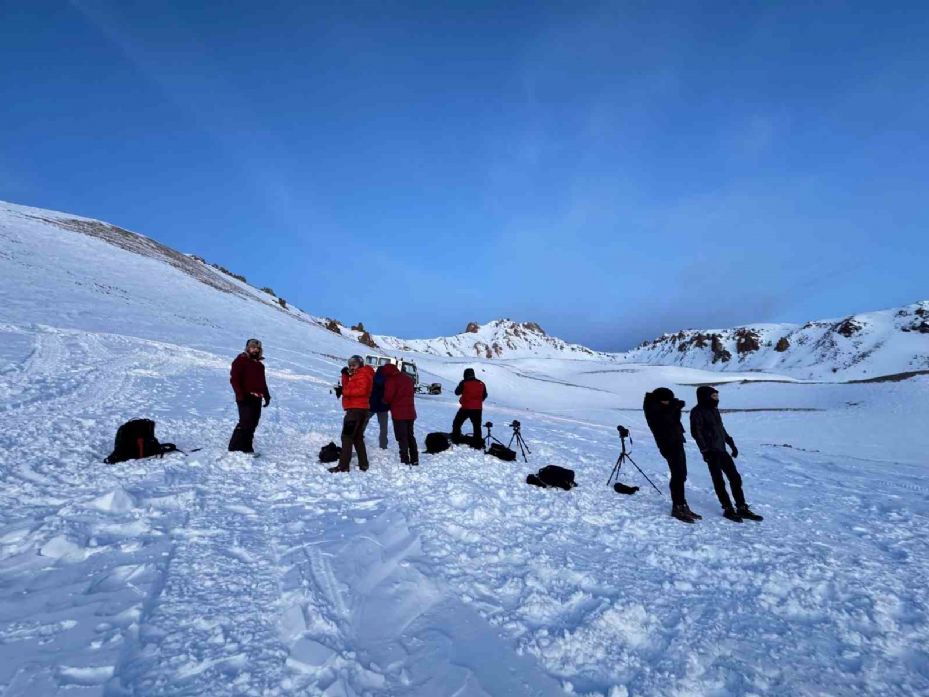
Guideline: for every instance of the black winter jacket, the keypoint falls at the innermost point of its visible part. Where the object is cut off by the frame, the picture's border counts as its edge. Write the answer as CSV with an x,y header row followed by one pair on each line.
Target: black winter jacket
x,y
706,424
664,420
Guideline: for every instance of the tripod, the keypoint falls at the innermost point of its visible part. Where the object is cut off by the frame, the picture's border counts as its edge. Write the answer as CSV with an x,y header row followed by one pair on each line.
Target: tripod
x,y
623,456
489,437
518,437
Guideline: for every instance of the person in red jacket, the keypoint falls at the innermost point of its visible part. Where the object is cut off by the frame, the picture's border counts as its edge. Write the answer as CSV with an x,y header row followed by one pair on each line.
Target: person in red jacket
x,y
399,392
357,383
473,392
247,378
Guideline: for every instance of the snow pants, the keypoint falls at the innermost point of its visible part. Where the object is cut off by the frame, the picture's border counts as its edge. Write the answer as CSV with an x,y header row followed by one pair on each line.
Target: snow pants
x,y
720,463
677,464
382,423
406,439
463,415
244,434
353,435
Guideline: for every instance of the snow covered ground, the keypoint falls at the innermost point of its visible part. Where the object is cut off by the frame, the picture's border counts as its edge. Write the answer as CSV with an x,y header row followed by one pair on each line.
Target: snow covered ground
x,y
217,574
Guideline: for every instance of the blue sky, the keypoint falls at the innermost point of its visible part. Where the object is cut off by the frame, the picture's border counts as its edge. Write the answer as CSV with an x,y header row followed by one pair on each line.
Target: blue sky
x,y
609,170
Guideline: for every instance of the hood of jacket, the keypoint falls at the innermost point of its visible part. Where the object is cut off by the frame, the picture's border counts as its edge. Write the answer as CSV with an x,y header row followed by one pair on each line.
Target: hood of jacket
x,y
389,370
705,396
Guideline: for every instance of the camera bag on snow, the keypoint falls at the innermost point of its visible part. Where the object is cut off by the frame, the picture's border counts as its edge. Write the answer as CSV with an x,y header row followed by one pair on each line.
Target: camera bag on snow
x,y
553,476
330,453
437,442
502,452
135,439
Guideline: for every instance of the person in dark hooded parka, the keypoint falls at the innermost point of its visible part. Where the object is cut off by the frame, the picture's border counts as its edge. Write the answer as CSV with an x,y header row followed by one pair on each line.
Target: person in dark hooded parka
x,y
663,415
706,426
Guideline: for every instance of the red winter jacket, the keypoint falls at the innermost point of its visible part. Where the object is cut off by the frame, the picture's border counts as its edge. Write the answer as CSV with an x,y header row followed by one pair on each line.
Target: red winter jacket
x,y
473,393
356,389
398,393
246,376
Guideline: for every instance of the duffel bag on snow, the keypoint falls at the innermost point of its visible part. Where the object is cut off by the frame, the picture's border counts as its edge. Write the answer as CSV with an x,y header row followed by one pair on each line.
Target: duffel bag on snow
x,y
330,453
437,442
136,439
502,452
553,476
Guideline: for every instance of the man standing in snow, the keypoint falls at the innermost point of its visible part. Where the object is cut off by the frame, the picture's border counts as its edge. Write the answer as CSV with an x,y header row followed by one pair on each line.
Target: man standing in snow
x,y
473,392
706,426
399,392
663,414
247,378
357,383
378,407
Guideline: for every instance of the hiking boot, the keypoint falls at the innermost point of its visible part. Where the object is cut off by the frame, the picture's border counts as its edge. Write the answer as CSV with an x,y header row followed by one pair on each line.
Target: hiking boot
x,y
338,469
730,514
363,468
680,512
695,516
747,512
414,464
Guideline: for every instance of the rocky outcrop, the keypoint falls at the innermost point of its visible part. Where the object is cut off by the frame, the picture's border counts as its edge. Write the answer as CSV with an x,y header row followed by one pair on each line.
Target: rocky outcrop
x,y
333,325
782,344
848,327
367,339
746,341
720,353
472,328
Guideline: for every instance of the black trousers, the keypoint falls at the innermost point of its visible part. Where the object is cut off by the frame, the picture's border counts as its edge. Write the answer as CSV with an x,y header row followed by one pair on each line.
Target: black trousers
x,y
244,434
720,463
406,439
353,435
677,463
465,414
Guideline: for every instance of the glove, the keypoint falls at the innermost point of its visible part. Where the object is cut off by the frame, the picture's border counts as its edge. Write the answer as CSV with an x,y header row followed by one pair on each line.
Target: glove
x,y
338,391
735,451
267,399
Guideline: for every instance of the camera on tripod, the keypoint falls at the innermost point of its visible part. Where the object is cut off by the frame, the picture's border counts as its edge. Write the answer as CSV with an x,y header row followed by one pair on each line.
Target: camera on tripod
x,y
515,425
623,431
489,424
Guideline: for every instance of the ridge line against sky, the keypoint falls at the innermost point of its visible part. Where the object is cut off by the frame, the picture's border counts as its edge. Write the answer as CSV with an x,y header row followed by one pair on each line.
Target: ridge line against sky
x,y
612,172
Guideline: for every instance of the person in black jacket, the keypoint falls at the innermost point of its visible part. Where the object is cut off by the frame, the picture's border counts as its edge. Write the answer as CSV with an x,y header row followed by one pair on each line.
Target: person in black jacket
x,y
706,426
378,408
663,415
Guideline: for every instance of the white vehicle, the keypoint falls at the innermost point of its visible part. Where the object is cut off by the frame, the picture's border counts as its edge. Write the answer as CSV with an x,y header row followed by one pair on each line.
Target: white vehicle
x,y
406,366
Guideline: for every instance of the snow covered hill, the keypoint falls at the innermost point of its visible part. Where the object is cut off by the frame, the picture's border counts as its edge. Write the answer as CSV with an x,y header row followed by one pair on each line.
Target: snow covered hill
x,y
863,346
217,574
502,338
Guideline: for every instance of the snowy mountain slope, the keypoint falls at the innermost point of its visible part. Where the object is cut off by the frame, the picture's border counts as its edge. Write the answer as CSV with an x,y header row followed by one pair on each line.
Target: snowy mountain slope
x,y
216,574
861,346
502,338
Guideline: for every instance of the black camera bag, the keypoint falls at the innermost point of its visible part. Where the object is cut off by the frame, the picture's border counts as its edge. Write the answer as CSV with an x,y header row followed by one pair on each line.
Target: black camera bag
x,y
437,442
330,453
502,452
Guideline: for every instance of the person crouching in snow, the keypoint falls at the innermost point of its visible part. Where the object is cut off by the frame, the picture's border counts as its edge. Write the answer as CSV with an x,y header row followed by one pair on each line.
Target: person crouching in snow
x,y
399,395
247,378
357,383
706,426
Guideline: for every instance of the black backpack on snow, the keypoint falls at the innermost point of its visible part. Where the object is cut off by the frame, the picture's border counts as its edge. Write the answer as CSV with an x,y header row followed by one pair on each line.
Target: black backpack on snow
x,y
136,439
502,452
553,476
437,442
330,453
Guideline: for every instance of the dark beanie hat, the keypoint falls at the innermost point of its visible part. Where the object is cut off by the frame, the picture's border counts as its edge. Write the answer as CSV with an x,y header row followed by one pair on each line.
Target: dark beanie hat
x,y
663,394
468,373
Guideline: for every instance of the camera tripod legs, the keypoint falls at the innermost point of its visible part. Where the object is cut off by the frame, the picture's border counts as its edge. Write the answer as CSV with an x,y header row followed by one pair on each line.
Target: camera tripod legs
x,y
523,448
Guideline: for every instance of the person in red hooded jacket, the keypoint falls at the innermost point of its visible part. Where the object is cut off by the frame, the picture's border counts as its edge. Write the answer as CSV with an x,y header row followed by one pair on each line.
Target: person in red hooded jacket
x,y
473,392
357,383
247,377
399,392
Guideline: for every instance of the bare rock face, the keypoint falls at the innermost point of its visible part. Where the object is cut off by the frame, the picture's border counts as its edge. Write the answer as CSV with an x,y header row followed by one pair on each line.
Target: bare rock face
x,y
720,354
332,325
360,327
472,328
746,341
782,344
848,327
366,339
534,327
